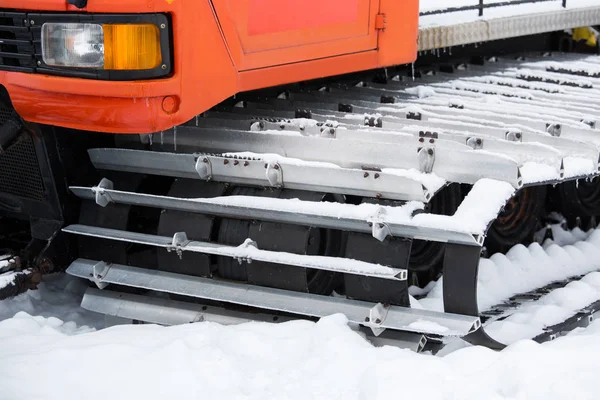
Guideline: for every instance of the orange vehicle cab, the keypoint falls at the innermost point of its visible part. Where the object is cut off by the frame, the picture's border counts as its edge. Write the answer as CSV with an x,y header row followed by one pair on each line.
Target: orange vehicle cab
x,y
210,49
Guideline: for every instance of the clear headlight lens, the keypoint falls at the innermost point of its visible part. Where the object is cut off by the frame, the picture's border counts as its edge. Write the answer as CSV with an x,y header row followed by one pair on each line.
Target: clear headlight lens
x,y
106,46
73,45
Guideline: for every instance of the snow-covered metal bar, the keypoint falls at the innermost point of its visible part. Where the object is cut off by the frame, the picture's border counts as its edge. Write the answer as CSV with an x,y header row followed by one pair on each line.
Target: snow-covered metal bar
x,y
171,312
462,166
269,172
395,317
247,251
380,221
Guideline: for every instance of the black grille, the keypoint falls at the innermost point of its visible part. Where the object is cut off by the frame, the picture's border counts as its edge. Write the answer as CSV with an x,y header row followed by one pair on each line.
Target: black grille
x,y
19,169
6,113
17,46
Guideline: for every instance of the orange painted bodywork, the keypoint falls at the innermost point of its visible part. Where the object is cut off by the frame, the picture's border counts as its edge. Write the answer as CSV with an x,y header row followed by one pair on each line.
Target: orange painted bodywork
x,y
221,47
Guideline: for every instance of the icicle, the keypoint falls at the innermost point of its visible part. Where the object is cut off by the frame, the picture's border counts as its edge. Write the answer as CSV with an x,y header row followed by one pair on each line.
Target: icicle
x,y
413,71
150,140
196,120
162,138
175,138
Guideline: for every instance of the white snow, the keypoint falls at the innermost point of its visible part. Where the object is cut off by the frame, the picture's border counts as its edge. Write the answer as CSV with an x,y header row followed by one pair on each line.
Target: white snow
x,y
7,278
44,358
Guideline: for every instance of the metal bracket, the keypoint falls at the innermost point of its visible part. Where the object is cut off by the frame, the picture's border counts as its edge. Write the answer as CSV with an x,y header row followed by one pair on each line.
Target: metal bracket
x,y
379,229
426,159
102,199
514,136
204,168
99,271
373,121
590,123
554,129
274,174
248,243
180,240
377,315
475,143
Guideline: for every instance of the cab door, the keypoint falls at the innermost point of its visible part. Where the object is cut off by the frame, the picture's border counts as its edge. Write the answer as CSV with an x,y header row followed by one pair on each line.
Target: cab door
x,y
263,33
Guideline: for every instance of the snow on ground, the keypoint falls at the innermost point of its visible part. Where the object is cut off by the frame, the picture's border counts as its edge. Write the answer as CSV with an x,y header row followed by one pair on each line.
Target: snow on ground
x,y
42,357
295,360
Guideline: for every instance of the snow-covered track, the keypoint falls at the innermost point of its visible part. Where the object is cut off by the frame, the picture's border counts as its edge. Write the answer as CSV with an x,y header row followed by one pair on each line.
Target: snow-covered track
x,y
376,316
385,152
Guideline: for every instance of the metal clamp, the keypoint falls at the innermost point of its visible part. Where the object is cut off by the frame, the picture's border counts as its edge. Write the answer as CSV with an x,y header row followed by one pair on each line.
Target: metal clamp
x,y
514,136
274,174
377,315
204,168
379,229
178,244
247,243
554,129
426,159
102,198
99,271
475,143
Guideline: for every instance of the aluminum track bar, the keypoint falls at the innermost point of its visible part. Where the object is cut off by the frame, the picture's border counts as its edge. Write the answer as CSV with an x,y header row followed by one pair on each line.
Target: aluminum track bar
x,y
247,251
465,107
359,312
474,113
564,108
279,172
396,119
461,166
469,104
380,221
171,312
448,87
538,107
391,131
485,30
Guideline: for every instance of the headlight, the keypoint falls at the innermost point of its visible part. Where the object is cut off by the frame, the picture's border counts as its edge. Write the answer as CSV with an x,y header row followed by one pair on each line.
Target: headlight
x,y
120,47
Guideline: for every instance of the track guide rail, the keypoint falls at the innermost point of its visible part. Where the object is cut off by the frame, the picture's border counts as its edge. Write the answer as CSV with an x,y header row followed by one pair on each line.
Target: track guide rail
x,y
380,221
248,252
360,312
280,173
172,312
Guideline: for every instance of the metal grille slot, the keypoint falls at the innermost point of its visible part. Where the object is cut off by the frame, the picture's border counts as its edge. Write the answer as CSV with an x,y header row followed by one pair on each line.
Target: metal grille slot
x,y
19,169
17,51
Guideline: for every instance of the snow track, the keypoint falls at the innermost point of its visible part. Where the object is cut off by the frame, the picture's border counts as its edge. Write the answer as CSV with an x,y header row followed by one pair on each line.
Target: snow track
x,y
492,127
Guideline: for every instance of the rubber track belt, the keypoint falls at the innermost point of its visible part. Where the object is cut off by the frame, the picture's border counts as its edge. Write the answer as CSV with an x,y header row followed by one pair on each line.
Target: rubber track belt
x,y
461,267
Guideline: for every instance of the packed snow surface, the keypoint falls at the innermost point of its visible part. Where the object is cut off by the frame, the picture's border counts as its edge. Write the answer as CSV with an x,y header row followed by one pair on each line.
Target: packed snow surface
x,y
45,358
50,348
